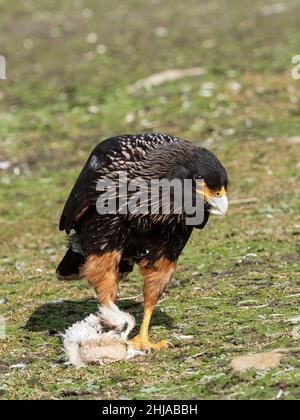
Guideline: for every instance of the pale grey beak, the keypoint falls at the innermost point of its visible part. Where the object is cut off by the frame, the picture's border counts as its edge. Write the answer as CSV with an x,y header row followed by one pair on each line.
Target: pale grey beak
x,y
219,205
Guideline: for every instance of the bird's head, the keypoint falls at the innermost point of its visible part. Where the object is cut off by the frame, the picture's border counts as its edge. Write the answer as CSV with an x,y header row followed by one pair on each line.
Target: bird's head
x,y
211,181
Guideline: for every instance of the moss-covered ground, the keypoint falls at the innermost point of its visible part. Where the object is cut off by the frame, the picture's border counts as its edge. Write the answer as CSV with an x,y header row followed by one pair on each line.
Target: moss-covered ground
x,y
68,67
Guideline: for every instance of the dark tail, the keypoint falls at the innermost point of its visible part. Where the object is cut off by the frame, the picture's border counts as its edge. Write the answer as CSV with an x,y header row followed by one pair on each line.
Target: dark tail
x,y
69,267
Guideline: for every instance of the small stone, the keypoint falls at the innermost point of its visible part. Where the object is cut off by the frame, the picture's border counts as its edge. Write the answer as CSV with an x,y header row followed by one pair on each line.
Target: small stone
x,y
18,266
185,337
130,117
93,109
296,333
161,31
262,361
92,38
235,86
205,93
101,49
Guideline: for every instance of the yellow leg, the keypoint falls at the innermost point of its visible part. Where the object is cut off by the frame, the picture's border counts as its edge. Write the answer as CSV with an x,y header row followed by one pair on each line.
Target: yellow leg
x,y
141,341
156,277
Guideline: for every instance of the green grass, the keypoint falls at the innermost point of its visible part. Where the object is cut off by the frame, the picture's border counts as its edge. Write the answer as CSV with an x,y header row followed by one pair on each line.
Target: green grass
x,y
47,130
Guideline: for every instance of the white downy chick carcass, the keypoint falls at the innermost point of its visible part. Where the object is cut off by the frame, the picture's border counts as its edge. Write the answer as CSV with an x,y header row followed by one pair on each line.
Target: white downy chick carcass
x,y
100,338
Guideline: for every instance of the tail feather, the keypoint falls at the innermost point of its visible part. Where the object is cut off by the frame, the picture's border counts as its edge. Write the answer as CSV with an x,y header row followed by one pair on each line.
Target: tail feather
x,y
69,267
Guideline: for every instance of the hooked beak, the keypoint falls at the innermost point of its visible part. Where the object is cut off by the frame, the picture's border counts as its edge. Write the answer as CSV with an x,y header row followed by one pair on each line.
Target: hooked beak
x,y
219,205
217,200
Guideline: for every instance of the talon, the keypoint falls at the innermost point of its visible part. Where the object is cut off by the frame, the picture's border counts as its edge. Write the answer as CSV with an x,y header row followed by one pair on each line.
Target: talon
x,y
144,344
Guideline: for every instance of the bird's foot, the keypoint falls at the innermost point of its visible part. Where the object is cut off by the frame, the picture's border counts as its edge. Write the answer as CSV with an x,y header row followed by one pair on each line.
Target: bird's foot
x,y
144,344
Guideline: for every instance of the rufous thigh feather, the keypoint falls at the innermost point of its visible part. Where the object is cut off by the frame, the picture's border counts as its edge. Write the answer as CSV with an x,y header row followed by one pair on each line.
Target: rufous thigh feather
x,y
156,278
102,273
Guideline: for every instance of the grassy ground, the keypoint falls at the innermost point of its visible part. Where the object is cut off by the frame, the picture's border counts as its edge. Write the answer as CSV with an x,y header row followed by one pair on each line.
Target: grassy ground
x,y
66,90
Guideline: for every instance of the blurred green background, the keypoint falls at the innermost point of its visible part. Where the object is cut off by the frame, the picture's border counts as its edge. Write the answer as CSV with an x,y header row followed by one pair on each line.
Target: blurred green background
x,y
69,66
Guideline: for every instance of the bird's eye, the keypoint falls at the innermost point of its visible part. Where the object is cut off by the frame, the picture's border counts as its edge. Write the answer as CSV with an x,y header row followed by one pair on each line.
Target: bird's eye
x,y
218,193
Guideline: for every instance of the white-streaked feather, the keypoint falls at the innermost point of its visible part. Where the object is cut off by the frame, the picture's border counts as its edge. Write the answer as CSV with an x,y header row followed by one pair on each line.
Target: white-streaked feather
x,y
74,244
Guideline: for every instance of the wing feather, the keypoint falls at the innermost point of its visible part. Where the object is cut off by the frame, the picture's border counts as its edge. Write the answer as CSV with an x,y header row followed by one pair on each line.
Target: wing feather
x,y
121,153
80,198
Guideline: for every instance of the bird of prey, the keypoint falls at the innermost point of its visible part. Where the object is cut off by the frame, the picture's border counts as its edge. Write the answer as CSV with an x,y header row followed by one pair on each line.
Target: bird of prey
x,y
105,246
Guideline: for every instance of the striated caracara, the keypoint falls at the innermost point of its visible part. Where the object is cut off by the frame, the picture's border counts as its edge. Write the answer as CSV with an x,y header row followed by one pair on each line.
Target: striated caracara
x,y
111,234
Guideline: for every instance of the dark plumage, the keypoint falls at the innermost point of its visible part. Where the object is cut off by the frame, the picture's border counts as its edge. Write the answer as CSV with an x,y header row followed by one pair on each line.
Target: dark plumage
x,y
148,240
